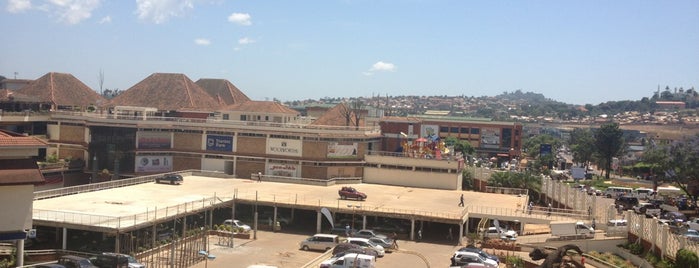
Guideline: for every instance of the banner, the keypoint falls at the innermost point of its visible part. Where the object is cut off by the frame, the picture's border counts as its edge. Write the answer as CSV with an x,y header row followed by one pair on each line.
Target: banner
x,y
490,138
154,140
153,163
284,170
328,215
285,147
342,150
429,130
219,143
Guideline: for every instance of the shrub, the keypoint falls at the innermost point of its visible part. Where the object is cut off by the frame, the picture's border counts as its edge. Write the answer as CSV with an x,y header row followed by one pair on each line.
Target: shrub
x,y
514,261
636,248
686,259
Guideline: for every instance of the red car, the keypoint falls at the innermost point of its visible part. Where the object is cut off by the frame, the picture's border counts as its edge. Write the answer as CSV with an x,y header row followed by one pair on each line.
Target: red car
x,y
350,192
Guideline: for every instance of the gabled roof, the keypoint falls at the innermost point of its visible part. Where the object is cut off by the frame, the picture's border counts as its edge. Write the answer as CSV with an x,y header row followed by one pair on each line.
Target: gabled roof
x,y
337,116
63,90
166,92
9,139
7,95
19,172
262,107
222,90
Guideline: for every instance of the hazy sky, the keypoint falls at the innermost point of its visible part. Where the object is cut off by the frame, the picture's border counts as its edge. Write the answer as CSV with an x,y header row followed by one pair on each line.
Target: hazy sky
x,y
572,51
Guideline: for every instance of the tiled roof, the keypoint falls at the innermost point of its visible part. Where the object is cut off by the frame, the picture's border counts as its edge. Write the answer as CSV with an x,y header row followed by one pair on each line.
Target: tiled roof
x,y
337,117
261,107
10,139
7,95
62,89
19,172
168,92
223,90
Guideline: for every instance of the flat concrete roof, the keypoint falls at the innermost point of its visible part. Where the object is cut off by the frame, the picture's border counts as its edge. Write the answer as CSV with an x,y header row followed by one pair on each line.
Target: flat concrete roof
x,y
140,205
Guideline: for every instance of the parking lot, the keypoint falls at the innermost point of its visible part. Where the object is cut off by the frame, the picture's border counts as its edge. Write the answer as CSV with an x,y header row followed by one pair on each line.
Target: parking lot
x,y
282,250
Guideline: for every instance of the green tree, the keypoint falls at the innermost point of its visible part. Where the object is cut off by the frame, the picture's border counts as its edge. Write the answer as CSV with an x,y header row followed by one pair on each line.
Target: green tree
x,y
582,146
684,163
609,143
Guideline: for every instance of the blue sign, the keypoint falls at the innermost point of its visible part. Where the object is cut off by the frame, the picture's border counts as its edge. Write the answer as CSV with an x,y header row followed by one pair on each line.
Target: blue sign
x,y
19,235
219,143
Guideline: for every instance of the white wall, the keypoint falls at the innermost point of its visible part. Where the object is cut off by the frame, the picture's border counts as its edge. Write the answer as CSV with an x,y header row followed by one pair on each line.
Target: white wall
x,y
213,164
432,180
16,204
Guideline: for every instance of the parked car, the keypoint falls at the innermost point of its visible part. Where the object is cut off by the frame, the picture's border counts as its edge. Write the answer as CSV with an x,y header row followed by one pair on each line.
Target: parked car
x,y
368,233
349,192
131,261
345,248
386,243
342,231
692,223
479,251
691,235
648,209
461,258
320,242
71,261
238,224
626,202
267,216
673,218
170,178
49,265
502,233
366,243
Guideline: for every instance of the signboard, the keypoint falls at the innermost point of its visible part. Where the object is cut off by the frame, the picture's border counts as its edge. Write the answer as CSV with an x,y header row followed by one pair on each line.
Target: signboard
x,y
578,173
285,170
154,140
429,131
490,138
219,143
154,164
285,147
342,150
18,235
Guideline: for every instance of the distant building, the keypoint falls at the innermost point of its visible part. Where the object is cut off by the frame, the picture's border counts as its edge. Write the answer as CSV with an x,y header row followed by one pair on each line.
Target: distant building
x,y
671,105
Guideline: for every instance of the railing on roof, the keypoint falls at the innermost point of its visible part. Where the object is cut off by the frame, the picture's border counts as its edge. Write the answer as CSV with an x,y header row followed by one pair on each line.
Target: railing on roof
x,y
218,122
447,157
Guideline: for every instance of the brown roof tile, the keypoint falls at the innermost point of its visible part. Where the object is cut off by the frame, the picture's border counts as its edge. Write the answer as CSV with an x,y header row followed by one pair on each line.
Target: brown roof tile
x,y
336,116
223,90
261,107
10,139
19,172
7,95
62,89
166,91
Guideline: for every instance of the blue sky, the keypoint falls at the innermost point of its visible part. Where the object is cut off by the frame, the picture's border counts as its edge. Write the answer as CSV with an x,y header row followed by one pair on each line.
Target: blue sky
x,y
577,52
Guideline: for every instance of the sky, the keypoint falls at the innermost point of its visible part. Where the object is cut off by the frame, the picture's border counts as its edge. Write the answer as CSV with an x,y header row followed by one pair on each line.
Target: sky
x,y
577,52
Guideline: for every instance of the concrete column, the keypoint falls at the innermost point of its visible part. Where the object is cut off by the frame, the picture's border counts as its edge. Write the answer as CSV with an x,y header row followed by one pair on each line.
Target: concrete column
x,y
461,233
274,220
412,229
20,253
318,221
64,244
363,221
154,234
116,242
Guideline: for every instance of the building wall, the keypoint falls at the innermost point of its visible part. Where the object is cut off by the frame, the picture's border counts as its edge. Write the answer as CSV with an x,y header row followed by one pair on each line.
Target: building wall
x,y
187,141
186,162
250,145
315,149
432,180
72,134
245,167
16,205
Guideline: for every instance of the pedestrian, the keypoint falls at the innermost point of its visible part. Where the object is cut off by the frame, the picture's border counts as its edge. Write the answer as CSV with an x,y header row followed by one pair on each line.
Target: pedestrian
x,y
347,230
530,207
419,235
593,223
259,176
461,200
450,235
550,208
589,211
394,236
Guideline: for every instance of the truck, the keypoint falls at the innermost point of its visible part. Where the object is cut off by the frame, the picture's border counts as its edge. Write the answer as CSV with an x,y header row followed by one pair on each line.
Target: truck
x,y
571,229
350,260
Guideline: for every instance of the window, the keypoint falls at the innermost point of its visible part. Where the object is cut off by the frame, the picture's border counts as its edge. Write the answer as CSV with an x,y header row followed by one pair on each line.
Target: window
x,y
225,116
454,130
464,130
444,129
243,117
475,131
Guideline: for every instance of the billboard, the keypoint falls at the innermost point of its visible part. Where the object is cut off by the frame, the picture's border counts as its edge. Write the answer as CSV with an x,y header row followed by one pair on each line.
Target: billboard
x,y
285,147
153,163
342,149
154,140
285,170
219,143
490,138
429,131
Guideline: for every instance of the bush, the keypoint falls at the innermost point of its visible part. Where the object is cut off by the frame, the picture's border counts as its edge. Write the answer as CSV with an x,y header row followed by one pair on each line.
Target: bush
x,y
686,259
514,261
636,249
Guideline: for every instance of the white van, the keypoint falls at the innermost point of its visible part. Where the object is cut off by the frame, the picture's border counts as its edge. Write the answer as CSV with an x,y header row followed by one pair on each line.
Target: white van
x,y
614,192
350,260
643,193
320,242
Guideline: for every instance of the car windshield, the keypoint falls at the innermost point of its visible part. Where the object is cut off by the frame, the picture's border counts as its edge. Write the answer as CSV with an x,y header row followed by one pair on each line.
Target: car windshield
x,y
371,243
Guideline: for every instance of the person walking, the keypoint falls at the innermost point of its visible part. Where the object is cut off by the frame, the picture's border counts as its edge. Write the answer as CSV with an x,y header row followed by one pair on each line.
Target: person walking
x,y
259,176
550,208
394,236
530,207
461,200
450,235
419,235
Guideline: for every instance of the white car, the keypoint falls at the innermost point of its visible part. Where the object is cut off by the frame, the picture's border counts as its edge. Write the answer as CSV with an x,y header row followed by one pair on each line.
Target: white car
x,y
238,224
692,224
503,234
365,242
461,258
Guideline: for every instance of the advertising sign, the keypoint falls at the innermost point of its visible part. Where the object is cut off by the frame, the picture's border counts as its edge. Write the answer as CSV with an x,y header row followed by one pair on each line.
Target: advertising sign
x,y
219,143
285,170
490,138
342,150
429,131
285,147
154,140
153,163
